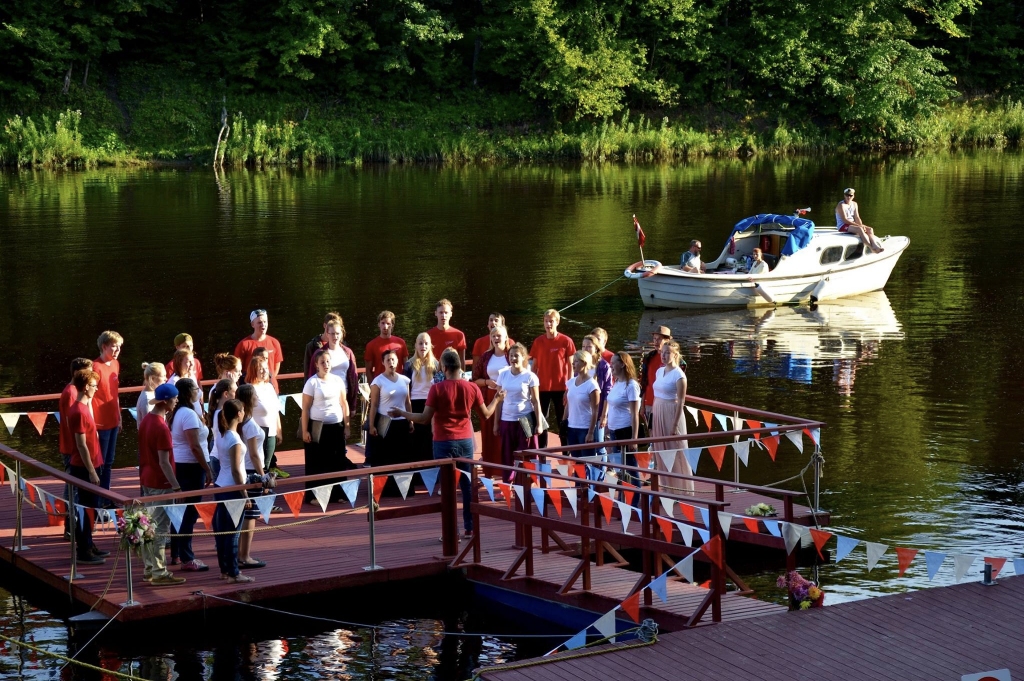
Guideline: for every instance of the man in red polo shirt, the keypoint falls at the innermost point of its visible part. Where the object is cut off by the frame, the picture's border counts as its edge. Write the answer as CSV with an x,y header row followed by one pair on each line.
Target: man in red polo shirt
x,y
259,339
85,462
551,359
66,439
385,341
106,405
444,336
649,366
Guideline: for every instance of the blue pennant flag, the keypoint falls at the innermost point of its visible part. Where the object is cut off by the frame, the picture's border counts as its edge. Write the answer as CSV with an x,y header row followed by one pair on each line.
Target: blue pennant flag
x,y
772,425
933,559
175,513
705,516
659,587
577,641
283,399
1018,566
591,493
844,545
488,485
429,476
723,420
56,415
773,527
134,412
538,498
544,467
705,536
350,488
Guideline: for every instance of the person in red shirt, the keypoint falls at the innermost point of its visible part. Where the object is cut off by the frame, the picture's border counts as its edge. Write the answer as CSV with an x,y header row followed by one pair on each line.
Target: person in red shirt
x,y
183,341
86,461
259,338
649,365
156,474
483,343
106,407
66,440
385,341
444,336
551,359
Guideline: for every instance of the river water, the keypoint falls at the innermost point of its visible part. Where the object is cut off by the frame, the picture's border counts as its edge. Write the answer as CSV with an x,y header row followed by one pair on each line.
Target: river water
x,y
921,386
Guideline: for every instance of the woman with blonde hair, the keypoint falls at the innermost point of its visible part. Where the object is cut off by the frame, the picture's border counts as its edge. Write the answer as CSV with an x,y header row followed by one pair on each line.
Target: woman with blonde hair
x,y
518,426
669,416
325,426
485,374
582,395
423,370
153,374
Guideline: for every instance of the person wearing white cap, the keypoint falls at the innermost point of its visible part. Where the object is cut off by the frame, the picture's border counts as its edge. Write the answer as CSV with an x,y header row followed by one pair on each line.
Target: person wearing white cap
x,y
848,220
260,339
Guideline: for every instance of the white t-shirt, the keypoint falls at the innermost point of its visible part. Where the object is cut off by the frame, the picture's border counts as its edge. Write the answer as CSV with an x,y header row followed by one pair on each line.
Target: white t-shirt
x,y
392,393
578,397
495,365
339,362
665,384
267,407
186,420
620,415
518,393
142,406
421,382
328,394
250,429
224,444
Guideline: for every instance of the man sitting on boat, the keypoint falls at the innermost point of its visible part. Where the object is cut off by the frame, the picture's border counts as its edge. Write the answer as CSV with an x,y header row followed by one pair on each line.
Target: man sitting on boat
x,y
690,262
848,220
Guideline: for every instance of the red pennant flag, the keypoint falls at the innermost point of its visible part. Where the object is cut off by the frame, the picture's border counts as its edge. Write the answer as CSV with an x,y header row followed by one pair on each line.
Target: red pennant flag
x,y
997,565
119,513
91,512
506,491
771,444
38,419
628,495
380,480
631,606
54,520
713,549
706,415
294,501
689,511
717,455
206,512
641,238
581,470
3,473
904,557
606,507
705,585
666,527
31,491
820,537
643,460
47,507
59,506
754,424
555,494
752,525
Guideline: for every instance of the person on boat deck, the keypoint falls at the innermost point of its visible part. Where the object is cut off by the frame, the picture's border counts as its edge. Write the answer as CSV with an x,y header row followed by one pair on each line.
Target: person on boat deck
x,y
66,440
551,359
183,341
106,407
444,336
486,368
669,416
85,460
343,360
376,347
757,264
483,343
317,342
423,370
649,365
848,220
690,262
259,338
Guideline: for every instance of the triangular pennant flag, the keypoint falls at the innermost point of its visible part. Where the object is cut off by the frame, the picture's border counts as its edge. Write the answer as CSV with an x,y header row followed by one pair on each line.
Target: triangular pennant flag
x,y
429,477
485,481
875,551
629,493
723,420
506,492
265,504
322,494
3,473
668,458
56,415
844,545
134,412
296,398
10,420
378,485
725,520
606,507
690,512
626,514
570,496
713,550
643,460
580,470
518,489
686,568
605,624
692,411
772,425
791,533
294,501
283,403
692,457
773,527
30,490
577,641
797,438
563,469
751,425
751,524
58,505
403,480
206,512
555,495
175,513
961,564
933,559
705,516
79,514
706,415
666,505
742,450
819,537
544,468
771,444
631,606
717,454
350,488
904,557
705,536
686,531
234,508
1018,566
814,434
997,565
666,527
456,472
538,498
659,587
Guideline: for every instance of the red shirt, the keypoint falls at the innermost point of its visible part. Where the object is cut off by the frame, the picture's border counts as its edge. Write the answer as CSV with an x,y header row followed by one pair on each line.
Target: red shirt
x,y
199,367
371,357
80,420
652,370
440,340
552,360
607,356
154,435
483,344
67,438
453,402
247,346
106,407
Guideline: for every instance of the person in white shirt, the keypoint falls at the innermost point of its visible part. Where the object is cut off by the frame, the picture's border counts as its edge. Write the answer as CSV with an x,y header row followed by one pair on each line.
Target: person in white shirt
x,y
423,370
390,435
253,438
690,261
153,374
267,414
669,415
486,368
325,426
623,407
189,447
757,263
232,472
518,426
848,220
582,396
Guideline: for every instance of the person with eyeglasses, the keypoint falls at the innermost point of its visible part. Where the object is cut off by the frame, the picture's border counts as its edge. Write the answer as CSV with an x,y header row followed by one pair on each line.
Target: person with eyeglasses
x,y
260,339
86,461
848,220
690,262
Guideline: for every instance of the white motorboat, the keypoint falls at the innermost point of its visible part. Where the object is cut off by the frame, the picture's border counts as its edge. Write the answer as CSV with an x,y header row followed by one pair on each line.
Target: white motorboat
x,y
806,262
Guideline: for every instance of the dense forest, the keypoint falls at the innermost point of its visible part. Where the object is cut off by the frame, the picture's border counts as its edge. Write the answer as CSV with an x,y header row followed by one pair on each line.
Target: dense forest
x,y
327,80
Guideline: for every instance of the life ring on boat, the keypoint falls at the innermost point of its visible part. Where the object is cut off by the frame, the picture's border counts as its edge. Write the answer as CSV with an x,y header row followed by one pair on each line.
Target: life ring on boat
x,y
642,269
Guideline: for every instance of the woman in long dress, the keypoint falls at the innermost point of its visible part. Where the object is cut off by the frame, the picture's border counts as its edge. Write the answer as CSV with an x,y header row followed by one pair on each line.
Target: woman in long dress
x,y
669,417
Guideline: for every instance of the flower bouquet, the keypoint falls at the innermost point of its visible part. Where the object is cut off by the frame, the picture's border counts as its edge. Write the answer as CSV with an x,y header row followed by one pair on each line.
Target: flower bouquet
x,y
136,528
762,510
803,594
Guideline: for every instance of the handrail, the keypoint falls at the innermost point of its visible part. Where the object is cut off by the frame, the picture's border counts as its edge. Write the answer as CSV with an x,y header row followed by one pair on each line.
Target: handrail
x,y
754,412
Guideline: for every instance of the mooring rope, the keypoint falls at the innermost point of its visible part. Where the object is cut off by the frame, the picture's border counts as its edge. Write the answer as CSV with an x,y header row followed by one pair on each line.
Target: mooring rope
x,y
621,276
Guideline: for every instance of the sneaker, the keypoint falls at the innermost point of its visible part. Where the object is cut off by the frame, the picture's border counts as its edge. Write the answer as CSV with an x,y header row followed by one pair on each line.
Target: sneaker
x,y
166,580
98,552
90,560
280,473
194,566
147,577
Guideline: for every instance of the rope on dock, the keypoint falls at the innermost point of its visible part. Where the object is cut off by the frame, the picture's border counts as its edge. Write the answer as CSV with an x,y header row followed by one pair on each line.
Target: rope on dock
x,y
68,660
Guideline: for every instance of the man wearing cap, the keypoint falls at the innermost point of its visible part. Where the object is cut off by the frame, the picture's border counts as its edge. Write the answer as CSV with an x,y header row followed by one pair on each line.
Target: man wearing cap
x,y
259,339
649,366
690,262
156,475
183,341
848,220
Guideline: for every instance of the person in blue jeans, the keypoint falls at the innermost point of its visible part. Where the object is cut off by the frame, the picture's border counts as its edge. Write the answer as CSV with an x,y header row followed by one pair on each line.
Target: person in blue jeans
x,y
450,405
232,472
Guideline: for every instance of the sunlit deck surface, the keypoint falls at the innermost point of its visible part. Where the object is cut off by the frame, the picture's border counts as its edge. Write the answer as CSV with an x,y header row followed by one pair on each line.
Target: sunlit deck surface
x,y
939,633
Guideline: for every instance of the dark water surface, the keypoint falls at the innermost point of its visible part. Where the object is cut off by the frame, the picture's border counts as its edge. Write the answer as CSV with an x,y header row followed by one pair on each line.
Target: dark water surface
x,y
921,386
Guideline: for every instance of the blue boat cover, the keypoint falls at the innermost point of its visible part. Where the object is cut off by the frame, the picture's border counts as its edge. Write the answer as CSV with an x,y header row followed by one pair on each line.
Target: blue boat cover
x,y
800,237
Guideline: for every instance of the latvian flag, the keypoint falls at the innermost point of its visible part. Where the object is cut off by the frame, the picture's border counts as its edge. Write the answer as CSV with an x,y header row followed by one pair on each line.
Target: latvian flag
x,y
640,236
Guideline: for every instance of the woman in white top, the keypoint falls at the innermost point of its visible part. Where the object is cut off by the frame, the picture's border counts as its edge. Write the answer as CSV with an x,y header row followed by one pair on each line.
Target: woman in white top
x,y
190,438
267,414
582,396
485,374
390,435
153,374
232,472
253,438
669,418
325,427
623,407
517,428
423,370
222,391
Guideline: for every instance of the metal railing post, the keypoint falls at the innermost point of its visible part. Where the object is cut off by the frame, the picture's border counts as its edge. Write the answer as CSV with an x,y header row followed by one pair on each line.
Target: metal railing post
x,y
735,456
817,479
73,524
373,537
18,533
128,579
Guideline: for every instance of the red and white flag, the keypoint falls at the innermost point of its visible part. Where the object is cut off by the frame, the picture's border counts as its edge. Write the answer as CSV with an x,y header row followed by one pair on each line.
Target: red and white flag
x,y
640,236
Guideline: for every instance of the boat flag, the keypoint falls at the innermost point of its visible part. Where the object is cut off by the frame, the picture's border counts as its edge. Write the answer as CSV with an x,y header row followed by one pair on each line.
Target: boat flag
x,y
641,238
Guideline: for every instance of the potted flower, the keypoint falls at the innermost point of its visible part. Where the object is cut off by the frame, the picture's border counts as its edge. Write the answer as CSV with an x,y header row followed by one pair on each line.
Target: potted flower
x,y
761,510
803,594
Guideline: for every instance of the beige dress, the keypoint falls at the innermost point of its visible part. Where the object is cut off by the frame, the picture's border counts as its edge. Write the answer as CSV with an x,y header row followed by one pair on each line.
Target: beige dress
x,y
665,423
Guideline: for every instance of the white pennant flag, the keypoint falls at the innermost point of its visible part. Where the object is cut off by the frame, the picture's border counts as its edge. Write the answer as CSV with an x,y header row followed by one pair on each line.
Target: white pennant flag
x,y
875,551
686,531
742,450
403,480
234,508
626,511
322,494
961,564
725,520
668,458
666,505
518,489
175,513
693,457
791,533
10,420
297,398
570,496
685,568
563,469
693,412
11,478
723,420
606,624
265,503
351,490
737,423
797,438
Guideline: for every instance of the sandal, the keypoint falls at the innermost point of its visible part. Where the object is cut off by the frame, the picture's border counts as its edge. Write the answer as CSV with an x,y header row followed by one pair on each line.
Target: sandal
x,y
240,579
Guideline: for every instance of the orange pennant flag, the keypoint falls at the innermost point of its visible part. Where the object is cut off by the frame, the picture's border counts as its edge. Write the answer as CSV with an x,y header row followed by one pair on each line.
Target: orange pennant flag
x,y
59,506
506,491
580,470
771,444
717,455
997,565
380,480
754,424
206,512
31,491
631,606
688,511
606,507
752,525
294,501
820,537
91,512
38,419
713,549
666,527
904,557
54,520
706,415
555,494
628,495
530,465
47,507
3,473
705,585
643,459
